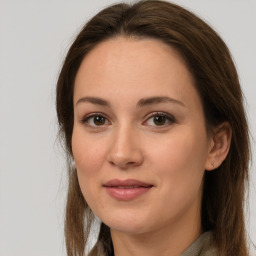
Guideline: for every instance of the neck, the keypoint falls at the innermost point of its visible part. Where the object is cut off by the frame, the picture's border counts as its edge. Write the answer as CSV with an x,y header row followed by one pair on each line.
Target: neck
x,y
169,240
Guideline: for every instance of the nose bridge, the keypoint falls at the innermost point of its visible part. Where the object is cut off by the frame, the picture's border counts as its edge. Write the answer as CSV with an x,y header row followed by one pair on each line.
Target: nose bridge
x,y
125,148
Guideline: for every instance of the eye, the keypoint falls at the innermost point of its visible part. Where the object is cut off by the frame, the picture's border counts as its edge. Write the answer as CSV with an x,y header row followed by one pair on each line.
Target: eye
x,y
95,120
160,119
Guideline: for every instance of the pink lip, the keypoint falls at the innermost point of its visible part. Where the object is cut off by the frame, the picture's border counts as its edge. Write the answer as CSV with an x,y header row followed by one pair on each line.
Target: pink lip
x,y
126,190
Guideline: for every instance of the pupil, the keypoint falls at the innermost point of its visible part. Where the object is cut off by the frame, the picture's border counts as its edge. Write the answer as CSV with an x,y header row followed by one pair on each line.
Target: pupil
x,y
159,120
99,120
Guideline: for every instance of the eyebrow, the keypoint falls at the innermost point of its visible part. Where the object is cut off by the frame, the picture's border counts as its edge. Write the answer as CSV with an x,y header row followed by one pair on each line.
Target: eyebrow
x,y
141,103
156,100
94,100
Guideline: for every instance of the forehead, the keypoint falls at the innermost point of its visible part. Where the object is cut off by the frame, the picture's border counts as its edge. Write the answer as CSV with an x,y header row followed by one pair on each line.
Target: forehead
x,y
136,68
120,55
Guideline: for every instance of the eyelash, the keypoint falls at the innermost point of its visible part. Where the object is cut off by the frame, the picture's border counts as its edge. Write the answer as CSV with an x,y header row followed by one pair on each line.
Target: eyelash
x,y
169,118
86,118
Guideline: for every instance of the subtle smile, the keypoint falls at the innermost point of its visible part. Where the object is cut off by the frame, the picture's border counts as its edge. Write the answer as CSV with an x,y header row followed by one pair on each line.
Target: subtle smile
x,y
127,189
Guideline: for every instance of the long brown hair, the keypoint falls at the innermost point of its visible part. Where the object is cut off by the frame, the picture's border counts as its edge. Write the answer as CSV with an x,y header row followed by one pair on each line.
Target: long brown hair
x,y
217,83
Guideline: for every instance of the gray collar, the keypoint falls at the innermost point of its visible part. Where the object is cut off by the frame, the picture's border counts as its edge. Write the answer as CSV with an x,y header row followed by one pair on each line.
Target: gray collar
x,y
203,246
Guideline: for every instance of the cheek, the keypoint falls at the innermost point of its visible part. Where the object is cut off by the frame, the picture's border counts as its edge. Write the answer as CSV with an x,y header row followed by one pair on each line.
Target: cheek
x,y
87,151
184,149
179,162
89,155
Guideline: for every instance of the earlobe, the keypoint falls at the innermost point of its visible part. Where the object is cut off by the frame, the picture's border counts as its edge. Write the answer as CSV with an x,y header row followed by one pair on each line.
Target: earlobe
x,y
219,146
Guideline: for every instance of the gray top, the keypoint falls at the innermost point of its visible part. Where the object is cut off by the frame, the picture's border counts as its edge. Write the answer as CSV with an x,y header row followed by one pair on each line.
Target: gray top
x,y
203,246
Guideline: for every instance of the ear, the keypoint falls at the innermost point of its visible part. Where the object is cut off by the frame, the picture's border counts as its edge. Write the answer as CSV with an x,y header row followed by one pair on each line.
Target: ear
x,y
219,145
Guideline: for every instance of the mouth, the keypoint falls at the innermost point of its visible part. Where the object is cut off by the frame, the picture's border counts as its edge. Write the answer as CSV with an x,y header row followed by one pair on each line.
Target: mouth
x,y
125,190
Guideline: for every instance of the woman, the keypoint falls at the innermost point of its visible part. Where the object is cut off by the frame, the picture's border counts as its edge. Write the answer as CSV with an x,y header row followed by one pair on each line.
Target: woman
x,y
151,111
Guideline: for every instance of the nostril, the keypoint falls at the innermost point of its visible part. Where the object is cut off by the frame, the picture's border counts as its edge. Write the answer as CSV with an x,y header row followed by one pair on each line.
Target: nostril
x,y
124,164
125,155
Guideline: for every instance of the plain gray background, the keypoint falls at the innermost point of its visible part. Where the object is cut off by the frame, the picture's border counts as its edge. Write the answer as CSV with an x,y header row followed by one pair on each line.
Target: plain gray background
x,y
34,37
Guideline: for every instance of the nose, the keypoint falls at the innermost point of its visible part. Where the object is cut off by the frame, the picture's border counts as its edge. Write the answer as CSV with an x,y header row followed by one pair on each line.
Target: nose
x,y
125,150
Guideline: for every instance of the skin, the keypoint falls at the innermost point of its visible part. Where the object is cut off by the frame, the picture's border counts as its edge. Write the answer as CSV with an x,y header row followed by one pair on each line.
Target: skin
x,y
129,144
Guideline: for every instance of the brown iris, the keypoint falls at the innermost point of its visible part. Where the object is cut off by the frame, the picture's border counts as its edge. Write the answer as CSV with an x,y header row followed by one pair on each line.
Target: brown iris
x,y
99,120
159,120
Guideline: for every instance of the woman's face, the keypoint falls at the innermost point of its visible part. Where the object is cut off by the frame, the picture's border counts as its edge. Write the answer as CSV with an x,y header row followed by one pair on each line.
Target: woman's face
x,y
139,140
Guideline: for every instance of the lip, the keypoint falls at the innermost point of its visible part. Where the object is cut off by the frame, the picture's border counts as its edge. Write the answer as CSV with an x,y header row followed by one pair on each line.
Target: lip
x,y
126,190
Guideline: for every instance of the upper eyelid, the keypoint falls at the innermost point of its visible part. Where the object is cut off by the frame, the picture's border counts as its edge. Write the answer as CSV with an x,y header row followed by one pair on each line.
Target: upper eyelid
x,y
155,113
91,115
95,114
170,117
148,115
160,113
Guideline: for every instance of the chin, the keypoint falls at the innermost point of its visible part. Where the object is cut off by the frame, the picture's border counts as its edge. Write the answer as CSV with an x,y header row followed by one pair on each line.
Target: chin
x,y
127,229
125,224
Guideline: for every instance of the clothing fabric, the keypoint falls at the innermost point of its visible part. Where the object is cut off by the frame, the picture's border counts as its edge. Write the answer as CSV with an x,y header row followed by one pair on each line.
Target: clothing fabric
x,y
203,246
